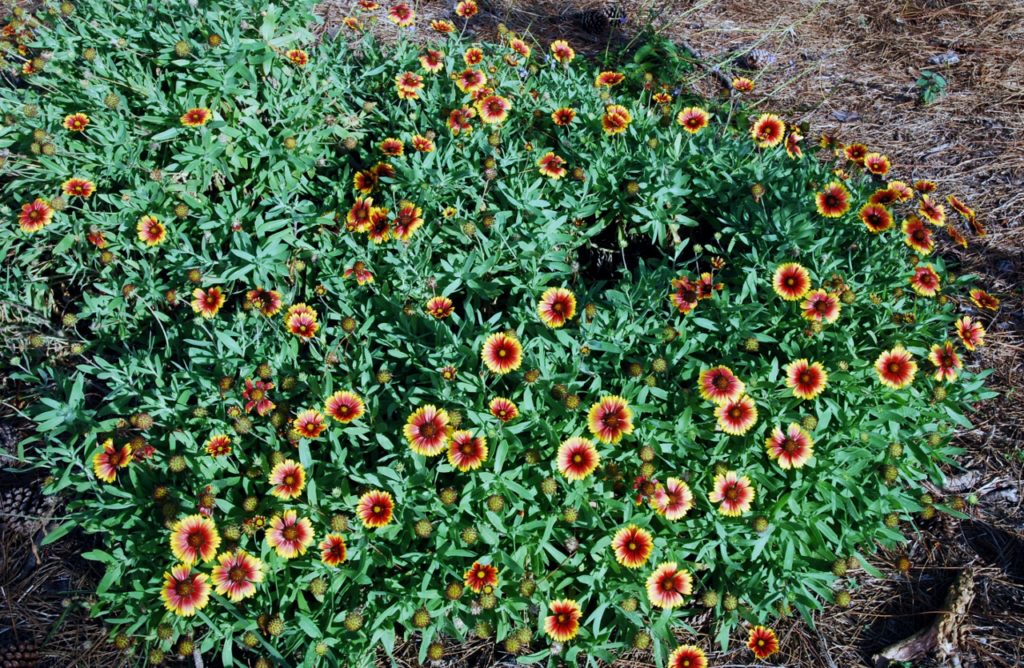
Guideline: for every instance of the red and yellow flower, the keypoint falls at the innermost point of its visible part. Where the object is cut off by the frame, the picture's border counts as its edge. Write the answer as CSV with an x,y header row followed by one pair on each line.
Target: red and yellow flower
x,y
876,218
734,492
960,207
806,379
218,445
947,362
422,144
563,623
301,320
556,307
793,149
552,165
855,153
392,147
520,47
408,219
375,509
35,216
78,187
150,230
673,499
439,307
459,120
821,306
196,117
685,294
925,280
333,551
719,385
207,303
473,55
478,576
379,227
237,574
917,235
502,353
767,131
467,452
833,201
984,300
791,281
288,479
289,534
562,52
503,409
970,331
76,122
693,119
256,394
268,302
563,116
470,81
762,642
408,85
577,458
668,585
358,217
194,538
736,416
426,430
610,419
402,15
432,61
106,462
791,448
687,656
298,57
632,546
932,212
609,79
742,85
877,164
344,406
185,592
466,9
896,368
494,109
615,120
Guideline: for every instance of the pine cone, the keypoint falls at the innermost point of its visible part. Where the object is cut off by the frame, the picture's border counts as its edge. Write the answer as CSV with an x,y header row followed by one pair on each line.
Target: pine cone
x,y
19,655
600,20
8,437
24,509
756,59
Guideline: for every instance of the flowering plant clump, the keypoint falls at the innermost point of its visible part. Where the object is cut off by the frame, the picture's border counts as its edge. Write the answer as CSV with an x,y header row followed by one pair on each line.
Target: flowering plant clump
x,y
351,343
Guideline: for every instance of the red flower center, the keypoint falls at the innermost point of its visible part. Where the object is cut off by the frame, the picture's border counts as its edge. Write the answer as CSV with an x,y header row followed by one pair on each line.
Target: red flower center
x,y
290,533
237,574
183,589
196,540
